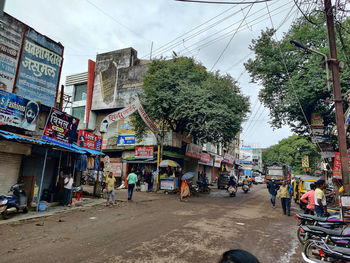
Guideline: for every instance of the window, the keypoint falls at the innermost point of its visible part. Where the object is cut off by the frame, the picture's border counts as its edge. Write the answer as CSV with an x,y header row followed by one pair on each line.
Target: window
x,y
79,112
80,92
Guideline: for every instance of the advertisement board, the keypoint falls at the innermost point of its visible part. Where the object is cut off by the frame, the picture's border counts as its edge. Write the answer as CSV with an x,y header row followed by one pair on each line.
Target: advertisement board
x,y
167,185
246,154
144,152
337,166
39,70
10,45
316,120
17,111
217,161
126,139
60,128
194,151
116,169
205,157
345,208
229,159
89,140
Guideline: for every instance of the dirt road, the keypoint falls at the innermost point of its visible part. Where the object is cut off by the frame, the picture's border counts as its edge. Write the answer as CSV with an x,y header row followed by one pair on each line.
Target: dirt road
x,y
157,228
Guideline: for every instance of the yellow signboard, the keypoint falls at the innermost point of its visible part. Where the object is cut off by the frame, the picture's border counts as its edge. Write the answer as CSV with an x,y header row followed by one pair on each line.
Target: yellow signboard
x,y
305,161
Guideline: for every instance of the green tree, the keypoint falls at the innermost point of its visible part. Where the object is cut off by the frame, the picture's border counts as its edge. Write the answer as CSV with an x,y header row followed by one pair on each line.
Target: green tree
x,y
181,96
290,75
290,151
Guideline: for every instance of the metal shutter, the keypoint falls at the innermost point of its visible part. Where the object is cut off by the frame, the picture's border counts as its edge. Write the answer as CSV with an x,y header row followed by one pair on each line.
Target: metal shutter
x,y
9,170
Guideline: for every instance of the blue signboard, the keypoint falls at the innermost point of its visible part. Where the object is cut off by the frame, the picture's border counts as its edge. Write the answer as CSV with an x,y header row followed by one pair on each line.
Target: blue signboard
x,y
17,111
126,140
39,69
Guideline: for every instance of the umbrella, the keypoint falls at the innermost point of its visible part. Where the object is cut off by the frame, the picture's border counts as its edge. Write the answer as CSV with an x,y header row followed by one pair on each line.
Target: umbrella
x,y
167,163
187,176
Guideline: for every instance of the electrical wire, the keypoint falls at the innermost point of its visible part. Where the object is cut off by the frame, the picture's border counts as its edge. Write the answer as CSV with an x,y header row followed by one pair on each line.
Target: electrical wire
x,y
223,3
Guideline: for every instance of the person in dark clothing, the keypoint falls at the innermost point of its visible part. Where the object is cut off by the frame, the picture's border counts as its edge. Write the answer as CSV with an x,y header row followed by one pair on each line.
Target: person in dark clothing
x,y
238,256
231,182
273,188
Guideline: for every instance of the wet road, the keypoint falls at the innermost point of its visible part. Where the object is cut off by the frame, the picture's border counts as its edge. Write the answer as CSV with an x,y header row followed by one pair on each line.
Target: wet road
x,y
158,228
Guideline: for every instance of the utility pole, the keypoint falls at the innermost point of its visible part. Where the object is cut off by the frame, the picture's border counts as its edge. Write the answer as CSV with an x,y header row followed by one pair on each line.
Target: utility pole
x,y
338,102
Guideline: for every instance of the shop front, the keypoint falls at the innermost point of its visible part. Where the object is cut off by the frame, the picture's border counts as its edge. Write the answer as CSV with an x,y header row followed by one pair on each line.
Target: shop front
x,y
205,165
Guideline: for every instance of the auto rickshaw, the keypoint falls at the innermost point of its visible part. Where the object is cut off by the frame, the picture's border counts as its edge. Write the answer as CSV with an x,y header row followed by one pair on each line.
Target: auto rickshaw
x,y
301,185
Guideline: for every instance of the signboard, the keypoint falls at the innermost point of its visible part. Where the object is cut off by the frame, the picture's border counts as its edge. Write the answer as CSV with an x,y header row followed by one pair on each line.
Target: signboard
x,y
316,120
116,169
246,154
126,140
194,151
337,166
17,111
305,161
61,128
345,208
205,157
40,68
187,138
10,45
229,159
89,140
144,152
167,185
217,161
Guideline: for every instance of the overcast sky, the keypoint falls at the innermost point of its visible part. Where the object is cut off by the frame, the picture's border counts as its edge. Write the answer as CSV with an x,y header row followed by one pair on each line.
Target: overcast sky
x,y
204,31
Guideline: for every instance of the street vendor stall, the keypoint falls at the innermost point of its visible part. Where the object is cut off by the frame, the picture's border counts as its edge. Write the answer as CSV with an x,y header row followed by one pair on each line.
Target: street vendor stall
x,y
169,179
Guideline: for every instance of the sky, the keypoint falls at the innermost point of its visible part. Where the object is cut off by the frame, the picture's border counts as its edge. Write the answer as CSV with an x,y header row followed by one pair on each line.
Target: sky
x,y
218,36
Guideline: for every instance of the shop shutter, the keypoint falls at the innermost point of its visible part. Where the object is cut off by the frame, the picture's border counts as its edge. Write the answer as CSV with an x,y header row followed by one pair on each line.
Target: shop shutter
x,y
9,170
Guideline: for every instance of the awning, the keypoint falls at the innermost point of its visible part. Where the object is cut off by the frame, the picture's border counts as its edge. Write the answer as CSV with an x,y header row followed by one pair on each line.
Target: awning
x,y
86,150
32,140
139,161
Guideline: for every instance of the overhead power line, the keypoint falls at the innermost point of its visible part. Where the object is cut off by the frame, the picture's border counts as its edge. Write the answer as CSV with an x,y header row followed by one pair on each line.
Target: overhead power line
x,y
224,3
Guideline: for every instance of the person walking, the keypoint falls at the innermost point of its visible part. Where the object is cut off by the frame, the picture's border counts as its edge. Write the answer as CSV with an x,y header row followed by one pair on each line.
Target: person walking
x,y
284,194
67,191
110,183
309,198
273,187
132,179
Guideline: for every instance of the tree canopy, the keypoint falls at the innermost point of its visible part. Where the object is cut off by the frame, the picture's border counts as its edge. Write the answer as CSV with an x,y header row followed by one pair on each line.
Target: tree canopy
x,y
288,74
290,151
181,96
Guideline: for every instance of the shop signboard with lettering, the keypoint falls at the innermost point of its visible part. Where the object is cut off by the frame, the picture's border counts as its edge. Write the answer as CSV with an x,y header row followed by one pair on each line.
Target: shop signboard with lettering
x,y
193,150
337,166
39,69
116,169
18,112
345,208
167,185
89,140
145,152
229,159
60,128
217,161
316,120
246,154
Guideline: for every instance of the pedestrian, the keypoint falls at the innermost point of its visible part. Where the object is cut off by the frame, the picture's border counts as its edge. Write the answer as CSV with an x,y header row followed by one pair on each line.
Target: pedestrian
x,y
273,188
185,190
110,183
67,190
320,199
132,179
284,194
309,198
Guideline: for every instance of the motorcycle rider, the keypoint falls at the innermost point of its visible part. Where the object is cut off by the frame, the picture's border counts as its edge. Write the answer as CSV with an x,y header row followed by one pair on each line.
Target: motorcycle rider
x,y
231,182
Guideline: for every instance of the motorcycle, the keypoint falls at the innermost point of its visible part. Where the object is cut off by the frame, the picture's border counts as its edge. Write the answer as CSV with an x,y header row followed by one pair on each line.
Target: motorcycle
x,y
317,251
232,190
13,203
245,188
203,185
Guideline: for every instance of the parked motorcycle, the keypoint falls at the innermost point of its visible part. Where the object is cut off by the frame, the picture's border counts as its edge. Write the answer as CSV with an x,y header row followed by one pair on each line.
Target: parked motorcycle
x,y
203,185
232,190
13,203
245,188
319,251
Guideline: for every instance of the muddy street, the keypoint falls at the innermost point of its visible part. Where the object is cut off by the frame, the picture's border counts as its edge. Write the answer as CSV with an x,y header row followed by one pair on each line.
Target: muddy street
x,y
158,228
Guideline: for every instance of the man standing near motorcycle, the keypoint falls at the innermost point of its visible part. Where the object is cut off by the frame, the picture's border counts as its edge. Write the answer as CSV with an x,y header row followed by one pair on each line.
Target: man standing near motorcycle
x,y
309,198
284,194
320,198
273,187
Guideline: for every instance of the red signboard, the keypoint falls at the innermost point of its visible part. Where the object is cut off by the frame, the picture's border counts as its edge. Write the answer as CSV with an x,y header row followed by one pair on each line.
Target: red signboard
x,y
144,152
337,166
205,158
229,159
193,151
89,140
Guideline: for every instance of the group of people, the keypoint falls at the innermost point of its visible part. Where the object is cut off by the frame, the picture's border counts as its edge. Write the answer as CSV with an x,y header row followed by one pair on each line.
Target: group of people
x,y
284,192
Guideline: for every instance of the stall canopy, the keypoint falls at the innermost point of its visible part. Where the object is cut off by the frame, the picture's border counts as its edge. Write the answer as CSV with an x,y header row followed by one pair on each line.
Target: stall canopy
x,y
86,150
31,140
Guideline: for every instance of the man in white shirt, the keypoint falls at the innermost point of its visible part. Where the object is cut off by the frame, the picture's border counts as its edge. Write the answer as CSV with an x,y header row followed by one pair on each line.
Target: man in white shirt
x,y
67,191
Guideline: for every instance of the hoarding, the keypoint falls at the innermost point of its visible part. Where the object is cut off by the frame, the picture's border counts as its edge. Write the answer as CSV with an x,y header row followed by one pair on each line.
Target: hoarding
x,y
60,128
116,169
145,152
205,157
229,159
316,120
126,139
217,161
246,154
10,45
39,70
89,140
193,150
17,111
337,166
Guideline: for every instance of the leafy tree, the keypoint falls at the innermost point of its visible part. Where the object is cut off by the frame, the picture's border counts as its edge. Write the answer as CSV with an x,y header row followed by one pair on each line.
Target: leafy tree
x,y
290,75
181,96
290,151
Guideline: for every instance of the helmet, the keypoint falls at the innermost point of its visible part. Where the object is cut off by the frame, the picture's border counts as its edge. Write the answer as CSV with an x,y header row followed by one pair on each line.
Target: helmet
x,y
273,179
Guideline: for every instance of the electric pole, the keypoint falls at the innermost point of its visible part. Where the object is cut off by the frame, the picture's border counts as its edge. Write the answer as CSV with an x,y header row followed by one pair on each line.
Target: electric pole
x,y
338,102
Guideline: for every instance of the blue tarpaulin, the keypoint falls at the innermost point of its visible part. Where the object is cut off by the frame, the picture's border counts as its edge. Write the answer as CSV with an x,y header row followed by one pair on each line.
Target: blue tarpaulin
x,y
86,150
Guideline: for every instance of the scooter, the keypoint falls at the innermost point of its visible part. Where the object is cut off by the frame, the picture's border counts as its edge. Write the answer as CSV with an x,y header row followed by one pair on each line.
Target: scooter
x,y
319,251
245,188
13,203
203,185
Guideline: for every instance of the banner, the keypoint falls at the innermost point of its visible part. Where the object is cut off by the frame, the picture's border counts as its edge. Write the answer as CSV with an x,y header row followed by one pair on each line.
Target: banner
x,y
316,120
89,140
194,151
246,154
60,128
305,161
39,70
17,111
126,140
337,166
217,161
116,169
144,152
10,46
205,157
229,159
